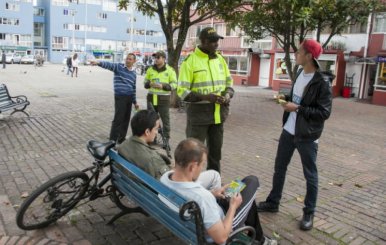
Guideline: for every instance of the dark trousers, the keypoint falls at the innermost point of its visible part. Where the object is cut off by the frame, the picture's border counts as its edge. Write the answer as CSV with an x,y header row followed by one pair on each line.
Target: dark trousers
x,y
3,65
308,153
247,213
213,135
163,110
121,119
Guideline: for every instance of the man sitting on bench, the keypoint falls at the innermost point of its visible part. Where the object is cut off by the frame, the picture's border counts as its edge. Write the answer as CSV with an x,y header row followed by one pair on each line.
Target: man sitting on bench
x,y
220,216
137,150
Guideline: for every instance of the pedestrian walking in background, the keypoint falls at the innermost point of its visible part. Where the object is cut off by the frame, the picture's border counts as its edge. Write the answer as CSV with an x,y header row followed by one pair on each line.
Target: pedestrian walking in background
x,y
309,105
69,64
75,64
160,80
3,59
205,84
124,94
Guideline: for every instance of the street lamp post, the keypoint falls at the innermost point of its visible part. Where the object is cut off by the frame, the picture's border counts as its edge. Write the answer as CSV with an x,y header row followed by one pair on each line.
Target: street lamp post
x,y
131,24
73,12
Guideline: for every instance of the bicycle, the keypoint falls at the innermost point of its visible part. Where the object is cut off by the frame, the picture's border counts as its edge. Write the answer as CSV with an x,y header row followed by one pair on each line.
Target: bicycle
x,y
59,195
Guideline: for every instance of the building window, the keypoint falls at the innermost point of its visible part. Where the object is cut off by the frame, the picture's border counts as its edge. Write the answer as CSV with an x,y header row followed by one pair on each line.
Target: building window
x,y
109,5
60,2
12,6
355,28
65,11
102,15
219,29
232,32
237,64
2,36
38,27
281,69
59,42
38,12
380,22
9,21
380,83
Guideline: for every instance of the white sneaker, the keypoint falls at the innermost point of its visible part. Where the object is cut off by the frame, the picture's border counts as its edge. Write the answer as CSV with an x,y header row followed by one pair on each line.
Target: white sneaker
x,y
269,241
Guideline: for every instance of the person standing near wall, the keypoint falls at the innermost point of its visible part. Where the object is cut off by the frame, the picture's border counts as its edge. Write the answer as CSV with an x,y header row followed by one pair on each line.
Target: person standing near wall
x,y
124,94
3,59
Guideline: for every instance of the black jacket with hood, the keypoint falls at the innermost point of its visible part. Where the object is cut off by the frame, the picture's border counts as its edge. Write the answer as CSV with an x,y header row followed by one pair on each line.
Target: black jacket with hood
x,y
315,107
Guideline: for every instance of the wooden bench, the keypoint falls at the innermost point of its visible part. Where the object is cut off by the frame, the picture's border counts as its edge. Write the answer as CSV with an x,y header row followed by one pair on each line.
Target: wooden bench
x,y
146,192
16,103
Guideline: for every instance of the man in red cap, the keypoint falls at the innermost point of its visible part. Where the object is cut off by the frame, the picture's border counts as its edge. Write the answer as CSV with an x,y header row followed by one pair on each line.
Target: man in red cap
x,y
307,107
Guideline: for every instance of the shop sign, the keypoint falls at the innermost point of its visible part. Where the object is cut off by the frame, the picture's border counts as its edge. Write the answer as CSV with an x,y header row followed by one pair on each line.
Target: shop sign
x,y
381,59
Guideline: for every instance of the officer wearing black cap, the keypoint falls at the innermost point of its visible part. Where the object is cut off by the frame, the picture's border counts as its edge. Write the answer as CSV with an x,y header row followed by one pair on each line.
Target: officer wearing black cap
x,y
205,84
160,80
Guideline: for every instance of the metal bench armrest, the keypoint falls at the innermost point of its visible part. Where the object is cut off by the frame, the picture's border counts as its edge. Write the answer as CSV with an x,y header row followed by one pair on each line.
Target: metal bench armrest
x,y
240,237
19,99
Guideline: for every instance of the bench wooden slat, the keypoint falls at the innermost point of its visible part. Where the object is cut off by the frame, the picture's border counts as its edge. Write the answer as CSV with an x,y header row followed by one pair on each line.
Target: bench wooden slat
x,y
157,209
147,197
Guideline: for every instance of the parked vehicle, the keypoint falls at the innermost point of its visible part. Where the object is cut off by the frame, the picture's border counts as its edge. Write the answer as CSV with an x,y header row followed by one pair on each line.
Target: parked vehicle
x,y
12,58
27,59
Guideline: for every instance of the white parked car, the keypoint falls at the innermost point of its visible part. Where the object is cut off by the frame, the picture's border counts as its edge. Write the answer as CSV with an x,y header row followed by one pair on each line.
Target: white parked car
x,y
27,59
12,58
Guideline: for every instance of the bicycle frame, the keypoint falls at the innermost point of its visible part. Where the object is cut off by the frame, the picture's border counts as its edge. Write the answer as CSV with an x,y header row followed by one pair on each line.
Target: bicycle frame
x,y
95,188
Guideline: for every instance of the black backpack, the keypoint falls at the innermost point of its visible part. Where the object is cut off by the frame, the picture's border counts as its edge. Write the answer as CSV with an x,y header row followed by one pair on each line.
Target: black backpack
x,y
69,61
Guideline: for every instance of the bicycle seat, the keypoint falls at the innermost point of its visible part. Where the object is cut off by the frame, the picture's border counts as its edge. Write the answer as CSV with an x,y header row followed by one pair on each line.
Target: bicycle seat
x,y
99,150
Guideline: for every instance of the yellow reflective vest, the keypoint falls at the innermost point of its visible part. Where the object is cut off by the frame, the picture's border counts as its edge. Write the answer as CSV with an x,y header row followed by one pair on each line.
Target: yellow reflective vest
x,y
204,75
163,76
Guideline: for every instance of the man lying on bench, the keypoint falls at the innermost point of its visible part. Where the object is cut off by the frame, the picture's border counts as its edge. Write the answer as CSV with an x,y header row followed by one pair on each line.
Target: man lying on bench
x,y
220,215
136,149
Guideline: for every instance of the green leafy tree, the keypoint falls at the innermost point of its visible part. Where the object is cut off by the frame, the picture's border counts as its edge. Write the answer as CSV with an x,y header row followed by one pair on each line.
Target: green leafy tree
x,y
177,16
290,21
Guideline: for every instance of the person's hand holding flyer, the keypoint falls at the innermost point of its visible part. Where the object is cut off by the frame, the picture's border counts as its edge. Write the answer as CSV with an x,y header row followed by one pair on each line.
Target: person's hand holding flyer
x,y
236,186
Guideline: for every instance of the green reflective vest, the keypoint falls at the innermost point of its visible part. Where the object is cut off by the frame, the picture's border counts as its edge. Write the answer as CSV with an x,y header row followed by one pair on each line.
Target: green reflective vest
x,y
202,75
167,76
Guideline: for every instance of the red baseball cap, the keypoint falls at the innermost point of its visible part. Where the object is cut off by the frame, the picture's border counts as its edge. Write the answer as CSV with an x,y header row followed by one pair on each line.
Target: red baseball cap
x,y
314,48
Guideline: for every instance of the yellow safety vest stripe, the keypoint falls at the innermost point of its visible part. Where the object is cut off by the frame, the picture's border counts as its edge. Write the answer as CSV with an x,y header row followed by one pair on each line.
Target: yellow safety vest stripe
x,y
167,76
202,75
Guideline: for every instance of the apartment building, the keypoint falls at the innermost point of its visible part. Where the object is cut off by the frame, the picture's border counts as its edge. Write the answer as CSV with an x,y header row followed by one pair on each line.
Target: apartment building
x,y
15,28
93,28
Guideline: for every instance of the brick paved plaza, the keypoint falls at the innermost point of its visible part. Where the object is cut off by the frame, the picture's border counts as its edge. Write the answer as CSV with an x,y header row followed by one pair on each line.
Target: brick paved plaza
x,y
66,112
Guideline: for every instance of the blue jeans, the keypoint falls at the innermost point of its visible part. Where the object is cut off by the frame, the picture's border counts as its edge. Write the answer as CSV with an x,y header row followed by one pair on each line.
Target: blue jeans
x,y
308,152
69,70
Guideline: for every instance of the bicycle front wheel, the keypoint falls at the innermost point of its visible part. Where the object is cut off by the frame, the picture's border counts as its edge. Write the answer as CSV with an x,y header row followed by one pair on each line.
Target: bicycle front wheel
x,y
52,200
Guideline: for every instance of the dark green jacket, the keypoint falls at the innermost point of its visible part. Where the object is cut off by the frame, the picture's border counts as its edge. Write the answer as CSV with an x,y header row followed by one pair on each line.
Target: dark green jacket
x,y
142,155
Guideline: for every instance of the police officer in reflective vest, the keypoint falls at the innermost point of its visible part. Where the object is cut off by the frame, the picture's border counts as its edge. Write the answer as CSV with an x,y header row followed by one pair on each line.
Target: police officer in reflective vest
x,y
160,80
205,84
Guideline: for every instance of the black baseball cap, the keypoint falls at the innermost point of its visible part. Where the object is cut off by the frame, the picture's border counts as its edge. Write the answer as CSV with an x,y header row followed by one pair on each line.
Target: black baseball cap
x,y
210,33
159,53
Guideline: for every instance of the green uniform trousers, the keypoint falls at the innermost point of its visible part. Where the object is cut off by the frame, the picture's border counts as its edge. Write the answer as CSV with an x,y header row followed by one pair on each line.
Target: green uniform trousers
x,y
163,109
212,134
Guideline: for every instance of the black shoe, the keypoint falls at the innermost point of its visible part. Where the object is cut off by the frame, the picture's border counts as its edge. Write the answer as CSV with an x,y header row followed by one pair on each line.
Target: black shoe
x,y
267,207
307,222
